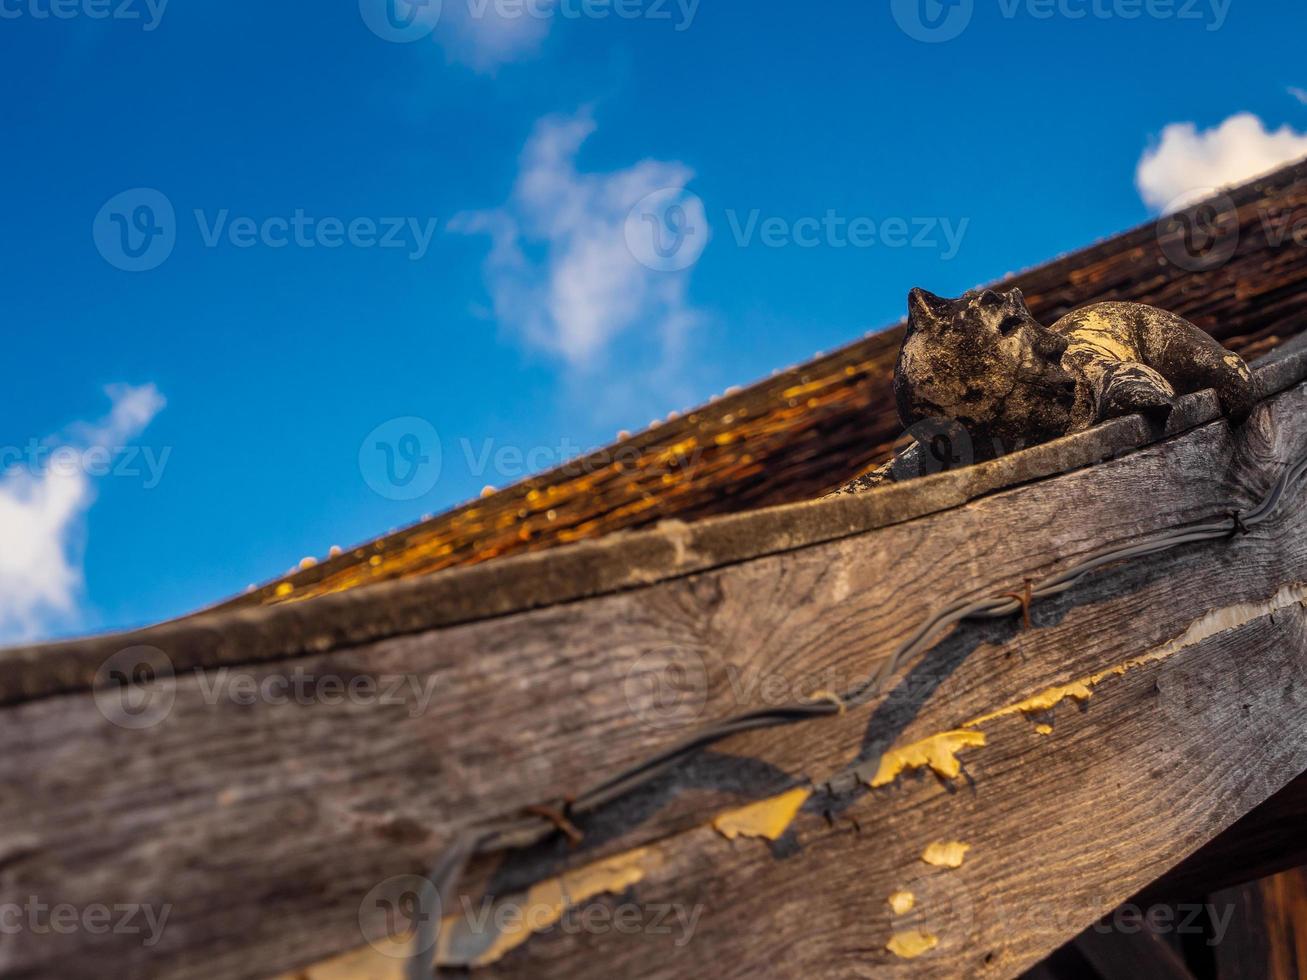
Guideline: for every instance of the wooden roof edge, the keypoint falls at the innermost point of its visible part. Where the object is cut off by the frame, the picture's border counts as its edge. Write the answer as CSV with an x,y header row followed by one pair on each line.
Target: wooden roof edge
x,y
589,569
763,392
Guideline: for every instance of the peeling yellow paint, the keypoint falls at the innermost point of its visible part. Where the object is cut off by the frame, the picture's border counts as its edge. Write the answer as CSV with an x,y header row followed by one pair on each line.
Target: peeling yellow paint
x,y
910,945
943,854
771,818
901,902
385,961
543,905
767,818
939,752
546,902
1081,690
1205,627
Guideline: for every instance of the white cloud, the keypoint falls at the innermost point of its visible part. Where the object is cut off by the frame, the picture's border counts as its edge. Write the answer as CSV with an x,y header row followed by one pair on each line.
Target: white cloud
x,y
1298,93
1188,164
561,269
44,497
484,34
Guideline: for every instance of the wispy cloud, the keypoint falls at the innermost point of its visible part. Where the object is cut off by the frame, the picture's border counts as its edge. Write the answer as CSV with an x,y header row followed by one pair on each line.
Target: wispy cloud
x,y
485,34
563,271
44,497
1187,163
1298,93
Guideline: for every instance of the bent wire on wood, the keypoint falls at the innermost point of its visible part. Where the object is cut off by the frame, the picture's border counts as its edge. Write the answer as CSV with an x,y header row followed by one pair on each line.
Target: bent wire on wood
x,y
816,604
443,879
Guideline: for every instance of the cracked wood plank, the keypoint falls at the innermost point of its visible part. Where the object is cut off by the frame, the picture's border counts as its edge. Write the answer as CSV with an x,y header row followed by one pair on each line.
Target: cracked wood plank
x,y
265,823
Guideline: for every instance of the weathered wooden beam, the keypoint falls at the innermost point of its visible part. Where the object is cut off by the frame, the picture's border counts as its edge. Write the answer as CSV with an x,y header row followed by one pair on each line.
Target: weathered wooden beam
x,y
808,429
262,814
595,568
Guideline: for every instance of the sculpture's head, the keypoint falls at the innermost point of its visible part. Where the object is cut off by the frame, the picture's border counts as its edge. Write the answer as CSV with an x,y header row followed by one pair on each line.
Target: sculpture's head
x,y
983,360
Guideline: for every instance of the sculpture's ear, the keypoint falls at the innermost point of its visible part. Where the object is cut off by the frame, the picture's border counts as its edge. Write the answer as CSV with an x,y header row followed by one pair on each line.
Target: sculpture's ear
x,y
925,308
1017,297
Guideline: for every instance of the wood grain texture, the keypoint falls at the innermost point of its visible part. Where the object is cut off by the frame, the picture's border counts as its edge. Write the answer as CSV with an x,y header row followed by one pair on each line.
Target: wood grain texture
x,y
810,428
264,825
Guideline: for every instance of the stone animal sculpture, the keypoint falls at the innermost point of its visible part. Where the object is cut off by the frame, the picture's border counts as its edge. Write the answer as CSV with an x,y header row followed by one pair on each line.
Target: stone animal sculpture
x,y
984,366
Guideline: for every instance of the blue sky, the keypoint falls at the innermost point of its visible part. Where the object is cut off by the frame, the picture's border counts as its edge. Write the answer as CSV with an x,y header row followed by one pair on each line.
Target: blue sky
x,y
466,204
